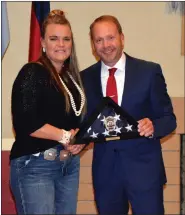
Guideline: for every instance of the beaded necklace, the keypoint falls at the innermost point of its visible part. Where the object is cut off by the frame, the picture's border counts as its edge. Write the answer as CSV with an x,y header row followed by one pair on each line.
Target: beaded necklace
x,y
82,102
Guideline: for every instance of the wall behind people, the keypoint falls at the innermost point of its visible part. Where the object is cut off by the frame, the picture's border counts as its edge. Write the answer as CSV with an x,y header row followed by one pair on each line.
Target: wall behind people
x,y
150,33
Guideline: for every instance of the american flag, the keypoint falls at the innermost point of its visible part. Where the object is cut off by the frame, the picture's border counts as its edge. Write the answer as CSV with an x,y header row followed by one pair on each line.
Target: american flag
x,y
108,122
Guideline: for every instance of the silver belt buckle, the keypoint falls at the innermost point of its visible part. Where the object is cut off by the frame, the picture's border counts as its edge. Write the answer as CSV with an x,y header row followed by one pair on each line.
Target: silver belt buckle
x,y
50,154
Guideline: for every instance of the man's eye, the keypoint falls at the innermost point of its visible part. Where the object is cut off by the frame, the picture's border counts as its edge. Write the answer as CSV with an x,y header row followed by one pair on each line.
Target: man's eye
x,y
98,41
111,38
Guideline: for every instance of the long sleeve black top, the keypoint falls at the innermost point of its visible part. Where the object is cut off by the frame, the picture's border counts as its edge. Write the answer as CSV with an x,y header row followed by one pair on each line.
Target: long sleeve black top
x,y
35,102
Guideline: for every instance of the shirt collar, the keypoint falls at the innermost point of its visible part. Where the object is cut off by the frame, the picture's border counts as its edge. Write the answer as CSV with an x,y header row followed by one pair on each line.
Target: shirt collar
x,y
120,65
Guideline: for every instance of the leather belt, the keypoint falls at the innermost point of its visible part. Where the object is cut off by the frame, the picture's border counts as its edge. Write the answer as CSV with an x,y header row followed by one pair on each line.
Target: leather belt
x,y
51,154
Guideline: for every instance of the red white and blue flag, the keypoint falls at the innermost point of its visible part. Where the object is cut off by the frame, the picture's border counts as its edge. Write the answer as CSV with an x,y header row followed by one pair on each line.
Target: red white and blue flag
x,y
39,11
107,122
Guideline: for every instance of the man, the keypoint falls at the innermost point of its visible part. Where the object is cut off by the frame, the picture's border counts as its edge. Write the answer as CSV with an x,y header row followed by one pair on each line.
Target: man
x,y
128,170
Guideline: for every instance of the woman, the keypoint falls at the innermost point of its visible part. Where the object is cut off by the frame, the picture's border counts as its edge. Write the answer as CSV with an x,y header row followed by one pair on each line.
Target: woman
x,y
47,105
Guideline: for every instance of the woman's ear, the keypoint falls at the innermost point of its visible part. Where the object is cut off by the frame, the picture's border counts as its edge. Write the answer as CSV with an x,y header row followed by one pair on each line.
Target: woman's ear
x,y
42,43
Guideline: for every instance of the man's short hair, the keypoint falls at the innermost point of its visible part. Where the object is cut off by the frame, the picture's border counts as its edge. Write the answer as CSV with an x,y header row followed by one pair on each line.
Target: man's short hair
x,y
106,18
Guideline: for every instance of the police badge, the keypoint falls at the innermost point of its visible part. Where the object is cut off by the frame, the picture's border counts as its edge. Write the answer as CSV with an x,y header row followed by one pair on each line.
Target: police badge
x,y
108,122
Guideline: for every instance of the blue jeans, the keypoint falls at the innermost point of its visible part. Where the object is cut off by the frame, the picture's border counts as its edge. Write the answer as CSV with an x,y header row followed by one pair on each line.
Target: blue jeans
x,y
45,187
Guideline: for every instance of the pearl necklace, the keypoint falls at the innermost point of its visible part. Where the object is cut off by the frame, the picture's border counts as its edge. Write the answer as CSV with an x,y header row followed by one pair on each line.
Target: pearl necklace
x,y
82,102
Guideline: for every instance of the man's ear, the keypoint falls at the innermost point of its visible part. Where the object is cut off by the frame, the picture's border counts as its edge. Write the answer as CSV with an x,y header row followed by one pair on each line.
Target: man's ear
x,y
92,46
122,39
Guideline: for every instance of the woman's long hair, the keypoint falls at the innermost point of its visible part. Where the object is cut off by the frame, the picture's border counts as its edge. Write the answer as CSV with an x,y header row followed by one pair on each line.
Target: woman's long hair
x,y
70,65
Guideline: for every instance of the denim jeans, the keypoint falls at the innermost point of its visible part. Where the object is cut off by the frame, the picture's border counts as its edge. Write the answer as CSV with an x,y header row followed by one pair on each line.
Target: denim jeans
x,y
45,187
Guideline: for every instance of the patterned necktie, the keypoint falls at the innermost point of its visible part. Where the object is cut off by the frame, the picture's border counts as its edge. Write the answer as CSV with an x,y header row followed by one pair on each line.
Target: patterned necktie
x,y
111,90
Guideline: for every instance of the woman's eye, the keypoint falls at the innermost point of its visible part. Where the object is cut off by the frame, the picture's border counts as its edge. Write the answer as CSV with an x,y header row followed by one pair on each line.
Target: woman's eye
x,y
67,39
53,38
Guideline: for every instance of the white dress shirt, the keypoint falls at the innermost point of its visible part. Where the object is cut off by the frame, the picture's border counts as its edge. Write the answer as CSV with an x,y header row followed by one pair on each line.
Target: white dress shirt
x,y
119,76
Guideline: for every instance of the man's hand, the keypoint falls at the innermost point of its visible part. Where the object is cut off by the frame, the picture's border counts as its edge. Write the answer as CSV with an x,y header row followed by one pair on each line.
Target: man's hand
x,y
75,149
145,127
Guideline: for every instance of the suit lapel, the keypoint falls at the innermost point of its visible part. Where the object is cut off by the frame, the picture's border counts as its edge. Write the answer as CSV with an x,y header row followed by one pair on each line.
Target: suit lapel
x,y
129,73
97,80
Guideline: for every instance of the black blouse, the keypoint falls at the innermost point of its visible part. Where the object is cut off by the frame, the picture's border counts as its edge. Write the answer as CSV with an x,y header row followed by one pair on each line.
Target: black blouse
x,y
35,102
